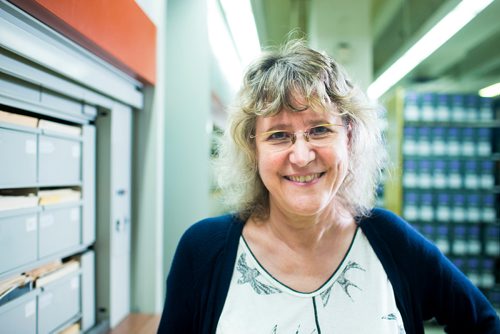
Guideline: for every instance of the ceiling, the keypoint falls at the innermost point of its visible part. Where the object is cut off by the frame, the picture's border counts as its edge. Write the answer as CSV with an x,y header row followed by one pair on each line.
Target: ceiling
x,y
470,60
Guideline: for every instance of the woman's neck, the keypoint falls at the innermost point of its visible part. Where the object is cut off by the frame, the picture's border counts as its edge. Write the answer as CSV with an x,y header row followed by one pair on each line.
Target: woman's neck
x,y
308,233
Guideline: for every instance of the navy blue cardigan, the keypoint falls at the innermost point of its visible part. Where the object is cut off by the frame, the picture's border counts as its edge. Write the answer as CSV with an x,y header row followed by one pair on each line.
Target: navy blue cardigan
x,y
425,283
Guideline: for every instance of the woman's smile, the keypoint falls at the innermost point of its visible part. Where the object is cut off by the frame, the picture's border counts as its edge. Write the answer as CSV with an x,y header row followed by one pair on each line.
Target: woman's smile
x,y
304,179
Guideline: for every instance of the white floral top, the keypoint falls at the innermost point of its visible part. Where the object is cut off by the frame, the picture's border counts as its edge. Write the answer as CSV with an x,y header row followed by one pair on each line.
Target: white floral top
x,y
357,298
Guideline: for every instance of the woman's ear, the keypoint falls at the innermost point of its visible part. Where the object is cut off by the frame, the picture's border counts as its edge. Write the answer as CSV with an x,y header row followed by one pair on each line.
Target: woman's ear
x,y
349,134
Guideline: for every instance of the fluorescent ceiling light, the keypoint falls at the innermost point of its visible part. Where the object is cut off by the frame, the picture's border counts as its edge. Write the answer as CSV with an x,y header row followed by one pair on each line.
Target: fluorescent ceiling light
x,y
241,22
490,91
222,46
455,20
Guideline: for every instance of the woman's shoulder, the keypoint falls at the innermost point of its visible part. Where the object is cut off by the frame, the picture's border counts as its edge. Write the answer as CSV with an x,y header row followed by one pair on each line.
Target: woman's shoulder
x,y
214,225
211,232
385,220
384,226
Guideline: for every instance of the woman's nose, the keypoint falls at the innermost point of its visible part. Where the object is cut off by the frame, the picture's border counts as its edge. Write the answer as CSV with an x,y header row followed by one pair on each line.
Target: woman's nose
x,y
301,154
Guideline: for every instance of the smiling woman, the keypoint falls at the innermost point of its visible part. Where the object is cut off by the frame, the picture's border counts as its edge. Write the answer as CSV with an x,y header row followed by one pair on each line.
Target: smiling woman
x,y
296,78
303,250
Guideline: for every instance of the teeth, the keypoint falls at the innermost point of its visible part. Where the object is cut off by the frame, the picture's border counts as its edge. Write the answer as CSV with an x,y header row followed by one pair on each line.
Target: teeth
x,y
304,178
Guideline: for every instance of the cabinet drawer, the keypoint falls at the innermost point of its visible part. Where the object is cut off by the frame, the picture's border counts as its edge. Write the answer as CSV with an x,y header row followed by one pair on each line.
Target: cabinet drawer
x,y
59,160
59,229
19,315
18,151
58,303
18,240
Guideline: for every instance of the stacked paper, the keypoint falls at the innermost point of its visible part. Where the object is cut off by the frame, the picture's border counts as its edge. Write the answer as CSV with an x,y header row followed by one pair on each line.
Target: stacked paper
x,y
53,271
11,200
17,119
58,196
59,127
6,286
14,287
73,329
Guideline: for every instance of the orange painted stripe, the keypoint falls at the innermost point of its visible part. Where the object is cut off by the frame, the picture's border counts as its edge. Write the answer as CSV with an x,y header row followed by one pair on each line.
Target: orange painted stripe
x,y
117,31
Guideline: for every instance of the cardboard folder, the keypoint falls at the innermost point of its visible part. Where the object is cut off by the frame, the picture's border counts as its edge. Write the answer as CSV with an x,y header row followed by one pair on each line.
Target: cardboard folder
x,y
12,118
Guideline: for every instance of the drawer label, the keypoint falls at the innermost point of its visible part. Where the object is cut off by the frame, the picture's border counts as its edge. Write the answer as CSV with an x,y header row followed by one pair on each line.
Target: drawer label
x,y
31,224
75,151
75,283
30,146
75,214
29,309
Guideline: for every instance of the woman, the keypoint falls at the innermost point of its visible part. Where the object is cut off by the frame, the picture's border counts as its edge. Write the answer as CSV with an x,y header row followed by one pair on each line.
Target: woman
x,y
305,251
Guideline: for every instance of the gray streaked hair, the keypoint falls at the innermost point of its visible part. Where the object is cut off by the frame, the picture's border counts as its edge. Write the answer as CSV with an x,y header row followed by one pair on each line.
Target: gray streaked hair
x,y
269,85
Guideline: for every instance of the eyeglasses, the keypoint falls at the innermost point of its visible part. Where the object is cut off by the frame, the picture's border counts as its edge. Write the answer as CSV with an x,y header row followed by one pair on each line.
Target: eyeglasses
x,y
278,140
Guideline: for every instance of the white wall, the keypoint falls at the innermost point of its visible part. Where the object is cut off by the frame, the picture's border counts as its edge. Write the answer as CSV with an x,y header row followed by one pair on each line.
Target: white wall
x,y
187,118
172,138
148,167
333,23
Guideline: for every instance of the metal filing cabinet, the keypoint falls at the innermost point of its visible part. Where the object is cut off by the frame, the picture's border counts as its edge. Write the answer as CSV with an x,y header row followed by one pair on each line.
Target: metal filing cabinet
x,y
35,159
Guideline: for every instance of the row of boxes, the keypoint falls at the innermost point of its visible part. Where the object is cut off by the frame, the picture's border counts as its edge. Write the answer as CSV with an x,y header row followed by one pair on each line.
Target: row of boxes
x,y
55,305
432,107
43,311
447,141
32,234
30,157
449,177
449,207
480,270
448,174
46,147
462,239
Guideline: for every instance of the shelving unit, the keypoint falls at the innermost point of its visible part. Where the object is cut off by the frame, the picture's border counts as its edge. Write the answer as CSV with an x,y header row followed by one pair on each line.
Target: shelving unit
x,y
39,226
85,230
445,177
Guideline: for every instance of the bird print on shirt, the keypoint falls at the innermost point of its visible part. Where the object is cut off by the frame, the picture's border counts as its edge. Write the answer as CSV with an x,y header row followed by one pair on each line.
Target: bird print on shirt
x,y
394,317
249,275
343,281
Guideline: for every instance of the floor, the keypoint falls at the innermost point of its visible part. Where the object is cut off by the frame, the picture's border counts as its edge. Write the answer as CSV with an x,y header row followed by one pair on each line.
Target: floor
x,y
136,323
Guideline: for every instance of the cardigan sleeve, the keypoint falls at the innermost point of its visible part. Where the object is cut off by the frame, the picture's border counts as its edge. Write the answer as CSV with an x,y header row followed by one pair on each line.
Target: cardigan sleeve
x,y
178,309
426,283
453,300
199,276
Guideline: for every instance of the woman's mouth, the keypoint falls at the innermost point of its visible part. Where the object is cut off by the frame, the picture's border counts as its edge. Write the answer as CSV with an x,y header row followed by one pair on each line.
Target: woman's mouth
x,y
304,178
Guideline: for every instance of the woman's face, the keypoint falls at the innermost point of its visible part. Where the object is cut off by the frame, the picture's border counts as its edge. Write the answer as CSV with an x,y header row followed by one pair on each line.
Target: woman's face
x,y
302,179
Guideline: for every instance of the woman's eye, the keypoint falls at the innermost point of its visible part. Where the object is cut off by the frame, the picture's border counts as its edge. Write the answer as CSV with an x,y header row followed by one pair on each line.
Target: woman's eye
x,y
319,131
279,136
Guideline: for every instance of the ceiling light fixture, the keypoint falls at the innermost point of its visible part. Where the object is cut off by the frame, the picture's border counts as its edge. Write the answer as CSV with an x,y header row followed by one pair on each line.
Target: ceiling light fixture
x,y
241,23
448,26
490,91
222,46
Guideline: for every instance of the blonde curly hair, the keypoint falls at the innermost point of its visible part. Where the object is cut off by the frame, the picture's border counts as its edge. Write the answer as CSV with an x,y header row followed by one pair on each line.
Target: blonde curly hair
x,y
269,85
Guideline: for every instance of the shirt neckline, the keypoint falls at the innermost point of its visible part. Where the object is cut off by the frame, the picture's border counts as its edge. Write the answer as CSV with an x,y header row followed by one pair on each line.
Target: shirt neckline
x,y
285,288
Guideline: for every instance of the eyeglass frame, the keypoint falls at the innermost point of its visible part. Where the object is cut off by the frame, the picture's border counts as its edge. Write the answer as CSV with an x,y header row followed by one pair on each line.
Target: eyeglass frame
x,y
305,134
